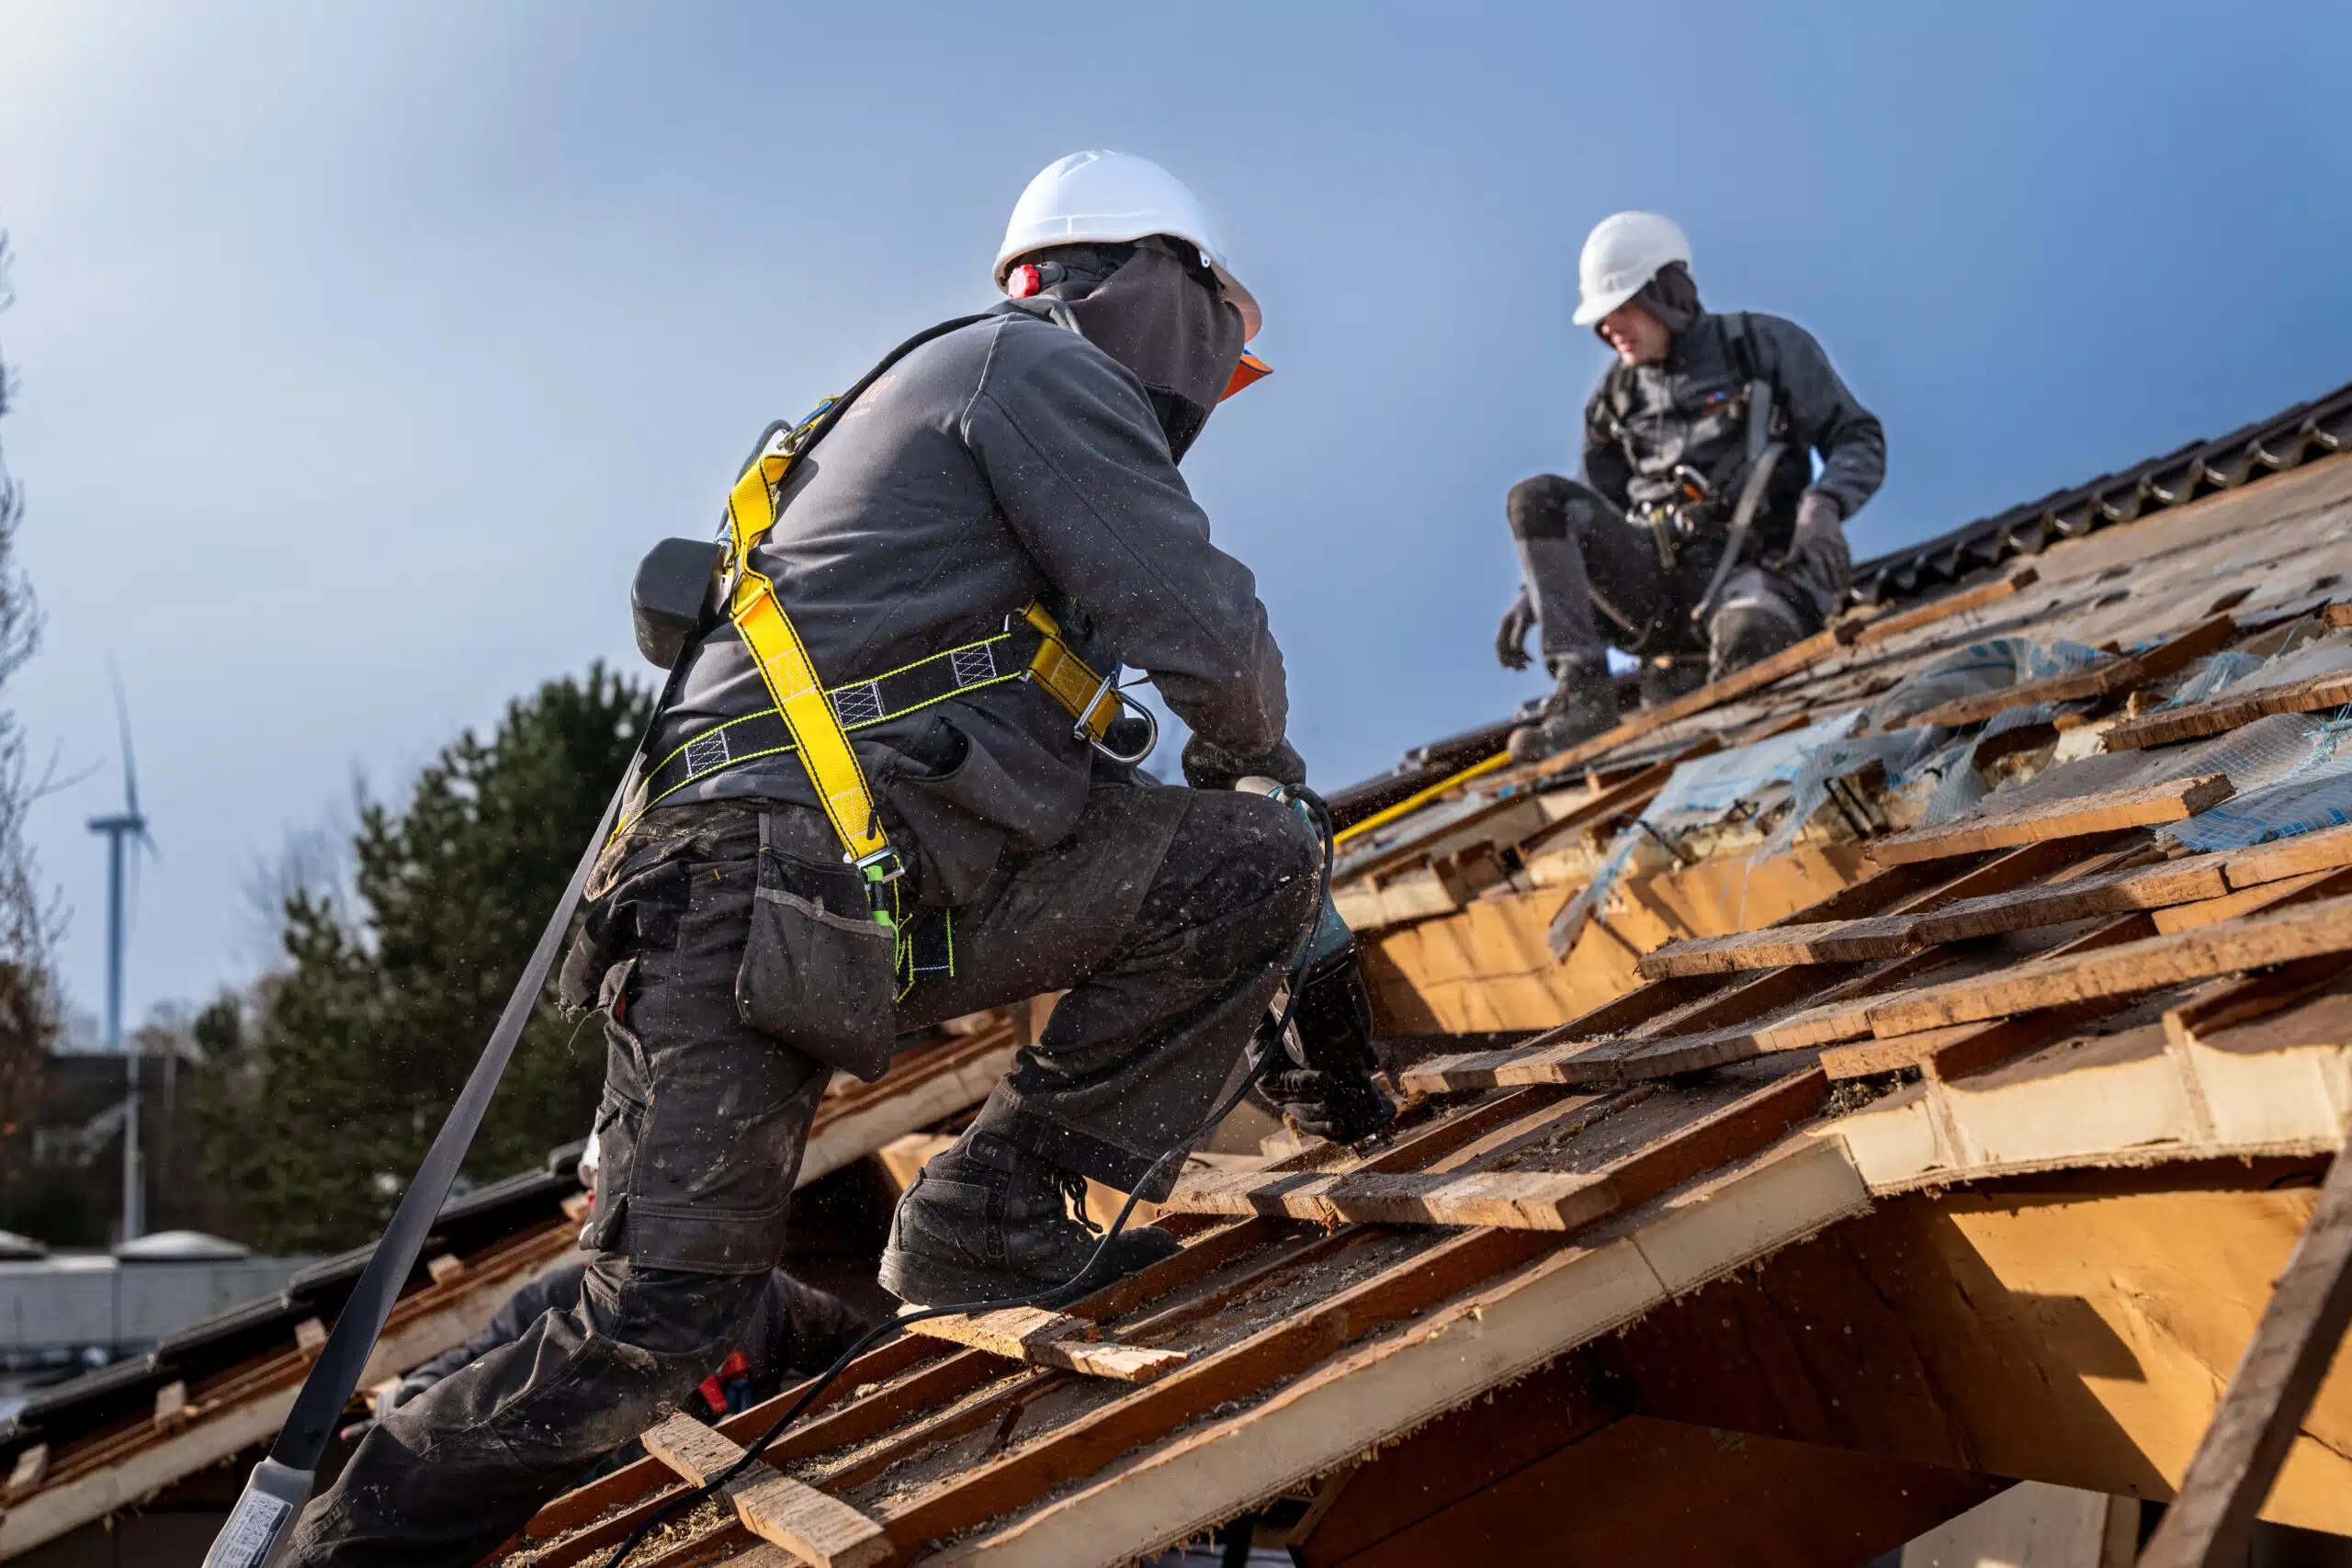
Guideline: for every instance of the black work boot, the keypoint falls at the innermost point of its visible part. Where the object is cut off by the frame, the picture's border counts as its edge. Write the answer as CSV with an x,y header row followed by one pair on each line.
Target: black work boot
x,y
1583,705
985,1221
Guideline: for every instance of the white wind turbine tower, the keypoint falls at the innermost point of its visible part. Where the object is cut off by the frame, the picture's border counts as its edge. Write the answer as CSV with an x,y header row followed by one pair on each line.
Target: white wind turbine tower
x,y
127,825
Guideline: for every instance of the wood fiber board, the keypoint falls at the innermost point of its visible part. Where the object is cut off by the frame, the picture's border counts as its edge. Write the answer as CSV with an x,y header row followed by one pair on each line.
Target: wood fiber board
x,y
2147,965
2071,817
2075,1330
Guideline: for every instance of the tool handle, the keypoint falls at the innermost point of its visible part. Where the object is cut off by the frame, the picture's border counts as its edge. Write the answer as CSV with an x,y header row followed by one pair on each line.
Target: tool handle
x,y
264,1515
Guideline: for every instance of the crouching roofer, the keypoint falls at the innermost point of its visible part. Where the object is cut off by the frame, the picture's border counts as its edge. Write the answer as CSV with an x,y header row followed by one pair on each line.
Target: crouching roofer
x,y
1699,538
889,784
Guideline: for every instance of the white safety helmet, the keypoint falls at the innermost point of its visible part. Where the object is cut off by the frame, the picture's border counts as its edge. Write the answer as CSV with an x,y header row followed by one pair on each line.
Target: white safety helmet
x,y
591,1158
1112,198
1621,256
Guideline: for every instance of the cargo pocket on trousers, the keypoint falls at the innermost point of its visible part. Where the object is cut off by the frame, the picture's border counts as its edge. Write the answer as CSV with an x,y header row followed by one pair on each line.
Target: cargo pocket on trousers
x,y
818,972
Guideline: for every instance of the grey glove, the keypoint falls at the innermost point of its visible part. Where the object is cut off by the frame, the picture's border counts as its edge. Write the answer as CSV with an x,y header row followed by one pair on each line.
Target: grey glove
x,y
1511,637
1208,765
407,1388
1818,550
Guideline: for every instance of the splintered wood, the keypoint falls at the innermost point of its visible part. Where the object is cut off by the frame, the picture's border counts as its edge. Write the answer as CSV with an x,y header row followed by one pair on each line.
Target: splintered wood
x,y
2073,817
2144,965
2231,711
813,1527
1045,1338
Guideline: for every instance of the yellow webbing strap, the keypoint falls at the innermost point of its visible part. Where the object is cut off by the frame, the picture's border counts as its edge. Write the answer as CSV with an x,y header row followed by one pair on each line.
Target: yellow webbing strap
x,y
1091,700
792,680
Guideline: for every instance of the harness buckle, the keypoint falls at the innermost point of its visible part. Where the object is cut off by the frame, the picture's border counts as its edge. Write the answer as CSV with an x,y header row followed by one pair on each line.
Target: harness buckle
x,y
884,864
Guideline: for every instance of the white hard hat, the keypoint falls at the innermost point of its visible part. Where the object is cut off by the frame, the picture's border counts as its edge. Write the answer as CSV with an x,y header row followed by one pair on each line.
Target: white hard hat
x,y
591,1158
1622,254
1111,198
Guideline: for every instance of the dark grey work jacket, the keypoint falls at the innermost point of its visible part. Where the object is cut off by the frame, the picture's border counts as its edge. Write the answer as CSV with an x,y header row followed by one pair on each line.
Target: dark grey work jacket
x,y
1007,461
1691,407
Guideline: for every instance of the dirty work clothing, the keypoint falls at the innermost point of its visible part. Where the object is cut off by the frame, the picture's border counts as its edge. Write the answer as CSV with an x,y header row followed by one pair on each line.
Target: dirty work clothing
x,y
1690,408
1167,914
1580,558
795,1332
1010,460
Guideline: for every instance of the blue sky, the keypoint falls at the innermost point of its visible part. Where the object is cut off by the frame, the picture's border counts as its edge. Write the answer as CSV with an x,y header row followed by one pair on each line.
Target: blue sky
x,y
364,349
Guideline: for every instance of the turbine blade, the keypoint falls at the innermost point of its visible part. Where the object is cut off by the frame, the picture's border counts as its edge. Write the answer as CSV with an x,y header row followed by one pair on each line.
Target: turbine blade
x,y
122,721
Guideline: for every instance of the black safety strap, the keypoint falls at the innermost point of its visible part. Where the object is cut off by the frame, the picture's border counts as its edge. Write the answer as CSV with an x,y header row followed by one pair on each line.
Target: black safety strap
x,y
328,1389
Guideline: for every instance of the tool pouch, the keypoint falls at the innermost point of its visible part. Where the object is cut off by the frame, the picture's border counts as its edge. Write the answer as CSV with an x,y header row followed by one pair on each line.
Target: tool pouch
x,y
818,972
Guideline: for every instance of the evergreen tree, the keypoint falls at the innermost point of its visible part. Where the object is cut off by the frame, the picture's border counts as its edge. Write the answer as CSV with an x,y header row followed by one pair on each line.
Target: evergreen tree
x,y
326,1083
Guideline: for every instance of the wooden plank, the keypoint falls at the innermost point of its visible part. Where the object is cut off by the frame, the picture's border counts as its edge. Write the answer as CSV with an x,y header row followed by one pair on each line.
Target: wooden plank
x,y
30,1470
1842,1014
1516,1200
1015,1333
1510,1199
813,1527
1277,1351
1045,1338
2249,901
1773,947
2229,711
2145,805
2210,1521
1982,596
2105,678
2147,965
2079,898
2290,857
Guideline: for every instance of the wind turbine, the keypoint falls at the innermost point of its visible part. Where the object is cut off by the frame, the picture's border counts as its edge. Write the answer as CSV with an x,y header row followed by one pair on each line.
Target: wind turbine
x,y
126,825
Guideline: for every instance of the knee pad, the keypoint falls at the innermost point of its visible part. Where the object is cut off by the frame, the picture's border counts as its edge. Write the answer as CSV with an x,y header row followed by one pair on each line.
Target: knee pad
x,y
1749,626
1539,508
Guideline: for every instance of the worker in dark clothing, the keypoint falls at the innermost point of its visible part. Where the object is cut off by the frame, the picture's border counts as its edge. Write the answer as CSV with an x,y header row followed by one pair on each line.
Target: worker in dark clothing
x,y
1665,549
1021,458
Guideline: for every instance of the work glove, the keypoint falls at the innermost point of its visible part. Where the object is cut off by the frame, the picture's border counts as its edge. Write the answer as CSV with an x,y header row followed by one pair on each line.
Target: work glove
x,y
1345,1107
1208,765
1818,553
1511,637
399,1393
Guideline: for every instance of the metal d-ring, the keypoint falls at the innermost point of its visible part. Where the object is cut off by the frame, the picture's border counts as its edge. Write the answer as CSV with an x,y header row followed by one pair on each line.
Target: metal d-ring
x,y
1152,727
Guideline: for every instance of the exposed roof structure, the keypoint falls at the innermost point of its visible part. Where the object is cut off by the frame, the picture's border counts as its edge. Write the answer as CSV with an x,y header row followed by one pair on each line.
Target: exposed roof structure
x,y
113,1439
1899,1069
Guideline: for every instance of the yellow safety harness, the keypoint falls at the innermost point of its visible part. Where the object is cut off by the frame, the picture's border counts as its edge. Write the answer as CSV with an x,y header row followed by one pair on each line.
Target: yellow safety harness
x,y
816,720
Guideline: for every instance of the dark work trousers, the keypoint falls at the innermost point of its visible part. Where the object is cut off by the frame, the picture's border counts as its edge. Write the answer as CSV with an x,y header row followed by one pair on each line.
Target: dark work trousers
x,y
1168,916
1594,577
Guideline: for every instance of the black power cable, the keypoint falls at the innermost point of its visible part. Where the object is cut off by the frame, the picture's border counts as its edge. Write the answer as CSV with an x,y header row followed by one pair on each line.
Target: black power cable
x,y
1083,1284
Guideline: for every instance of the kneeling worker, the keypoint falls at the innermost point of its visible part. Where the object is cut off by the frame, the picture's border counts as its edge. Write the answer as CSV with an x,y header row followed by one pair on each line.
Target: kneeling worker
x,y
1699,533
936,571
